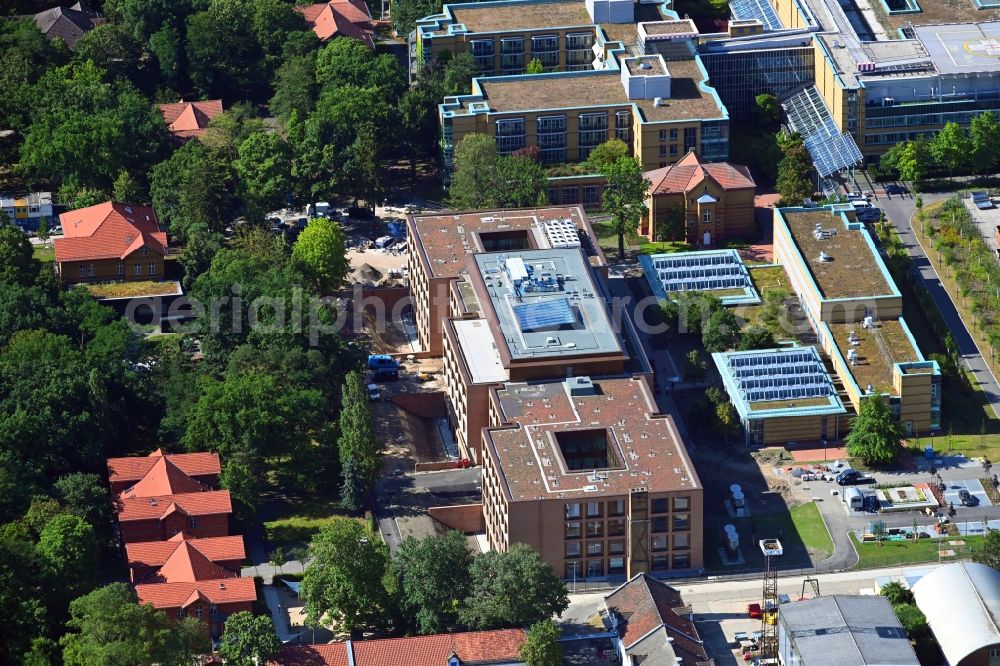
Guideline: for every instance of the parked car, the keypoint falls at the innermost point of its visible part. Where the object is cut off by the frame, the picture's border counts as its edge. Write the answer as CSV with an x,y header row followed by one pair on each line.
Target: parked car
x,y
896,189
374,394
853,477
967,498
754,611
383,366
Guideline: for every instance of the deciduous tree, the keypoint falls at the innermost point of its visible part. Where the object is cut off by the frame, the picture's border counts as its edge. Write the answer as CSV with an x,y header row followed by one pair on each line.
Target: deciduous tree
x,y
434,579
984,133
757,337
988,552
512,589
607,154
344,582
473,175
625,198
248,639
541,645
875,437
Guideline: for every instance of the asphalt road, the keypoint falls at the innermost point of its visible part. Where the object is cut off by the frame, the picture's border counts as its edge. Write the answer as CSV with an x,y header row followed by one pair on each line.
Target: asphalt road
x,y
900,211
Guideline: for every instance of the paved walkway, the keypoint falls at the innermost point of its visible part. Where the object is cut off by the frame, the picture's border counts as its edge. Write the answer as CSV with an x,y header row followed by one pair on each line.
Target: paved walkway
x,y
901,212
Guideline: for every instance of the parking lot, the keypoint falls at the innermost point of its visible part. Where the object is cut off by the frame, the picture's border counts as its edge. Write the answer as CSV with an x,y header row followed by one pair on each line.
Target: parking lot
x,y
974,487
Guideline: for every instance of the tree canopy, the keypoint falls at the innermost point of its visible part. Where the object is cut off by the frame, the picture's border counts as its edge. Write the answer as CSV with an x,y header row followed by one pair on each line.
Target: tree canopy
x,y
434,579
875,437
625,197
248,639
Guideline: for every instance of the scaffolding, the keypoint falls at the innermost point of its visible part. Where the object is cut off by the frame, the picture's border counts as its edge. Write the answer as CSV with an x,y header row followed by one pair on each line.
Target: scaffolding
x,y
772,550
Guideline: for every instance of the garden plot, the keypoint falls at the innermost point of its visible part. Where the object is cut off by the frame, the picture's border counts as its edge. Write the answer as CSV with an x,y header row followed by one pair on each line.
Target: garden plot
x,y
907,498
974,487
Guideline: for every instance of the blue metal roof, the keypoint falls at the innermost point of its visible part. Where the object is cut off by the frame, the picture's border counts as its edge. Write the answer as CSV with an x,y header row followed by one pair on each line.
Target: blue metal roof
x,y
544,314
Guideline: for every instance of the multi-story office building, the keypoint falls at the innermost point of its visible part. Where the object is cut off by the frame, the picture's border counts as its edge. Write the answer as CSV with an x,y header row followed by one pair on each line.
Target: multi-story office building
x,y
650,104
852,303
437,247
586,472
544,314
505,36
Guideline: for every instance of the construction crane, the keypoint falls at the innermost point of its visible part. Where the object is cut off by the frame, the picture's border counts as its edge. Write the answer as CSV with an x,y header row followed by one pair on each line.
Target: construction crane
x,y
769,602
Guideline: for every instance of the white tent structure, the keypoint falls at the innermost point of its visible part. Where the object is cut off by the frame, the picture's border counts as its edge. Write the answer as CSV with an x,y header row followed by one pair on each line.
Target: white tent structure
x,y
962,604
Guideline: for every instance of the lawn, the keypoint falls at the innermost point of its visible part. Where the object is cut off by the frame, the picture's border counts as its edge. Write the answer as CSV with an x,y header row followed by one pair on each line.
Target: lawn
x,y
802,532
43,253
892,553
296,520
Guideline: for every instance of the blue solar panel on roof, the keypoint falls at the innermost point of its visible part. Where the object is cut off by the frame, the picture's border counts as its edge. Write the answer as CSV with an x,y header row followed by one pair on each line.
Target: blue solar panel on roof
x,y
544,314
743,10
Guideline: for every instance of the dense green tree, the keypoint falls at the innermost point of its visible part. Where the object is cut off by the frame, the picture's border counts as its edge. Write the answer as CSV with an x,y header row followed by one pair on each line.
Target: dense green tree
x,y
344,115
17,265
193,190
418,118
196,254
264,168
345,61
353,486
126,189
40,512
768,107
86,496
362,169
189,639
242,477
695,368
721,332
113,48
896,594
914,161
434,579
320,250
255,415
68,547
248,640
406,13
472,177
757,337
87,130
984,134
913,621
24,56
295,86
988,552
344,581
607,154
875,437
625,198
166,46
459,71
23,308
541,645
519,182
357,430
22,608
512,589
795,183
108,628
951,147
51,412
535,66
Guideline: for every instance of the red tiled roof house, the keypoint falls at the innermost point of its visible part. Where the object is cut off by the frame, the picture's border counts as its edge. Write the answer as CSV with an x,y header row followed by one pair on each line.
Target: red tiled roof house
x,y
190,585
340,18
154,561
110,241
470,648
166,501
713,201
189,120
126,472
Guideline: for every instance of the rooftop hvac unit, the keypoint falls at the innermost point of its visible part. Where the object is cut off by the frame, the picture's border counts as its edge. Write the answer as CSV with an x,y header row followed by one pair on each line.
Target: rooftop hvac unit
x,y
657,101
824,257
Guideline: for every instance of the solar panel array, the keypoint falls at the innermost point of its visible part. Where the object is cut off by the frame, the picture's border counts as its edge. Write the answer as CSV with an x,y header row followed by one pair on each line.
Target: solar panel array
x,y
745,10
701,271
831,149
542,315
780,375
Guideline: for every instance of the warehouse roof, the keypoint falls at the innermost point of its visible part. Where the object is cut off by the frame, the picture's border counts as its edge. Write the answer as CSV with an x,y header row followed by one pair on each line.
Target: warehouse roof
x,y
846,631
962,604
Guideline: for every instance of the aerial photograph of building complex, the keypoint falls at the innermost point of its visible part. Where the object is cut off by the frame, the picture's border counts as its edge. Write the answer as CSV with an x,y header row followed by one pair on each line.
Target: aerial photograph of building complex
x,y
500,332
